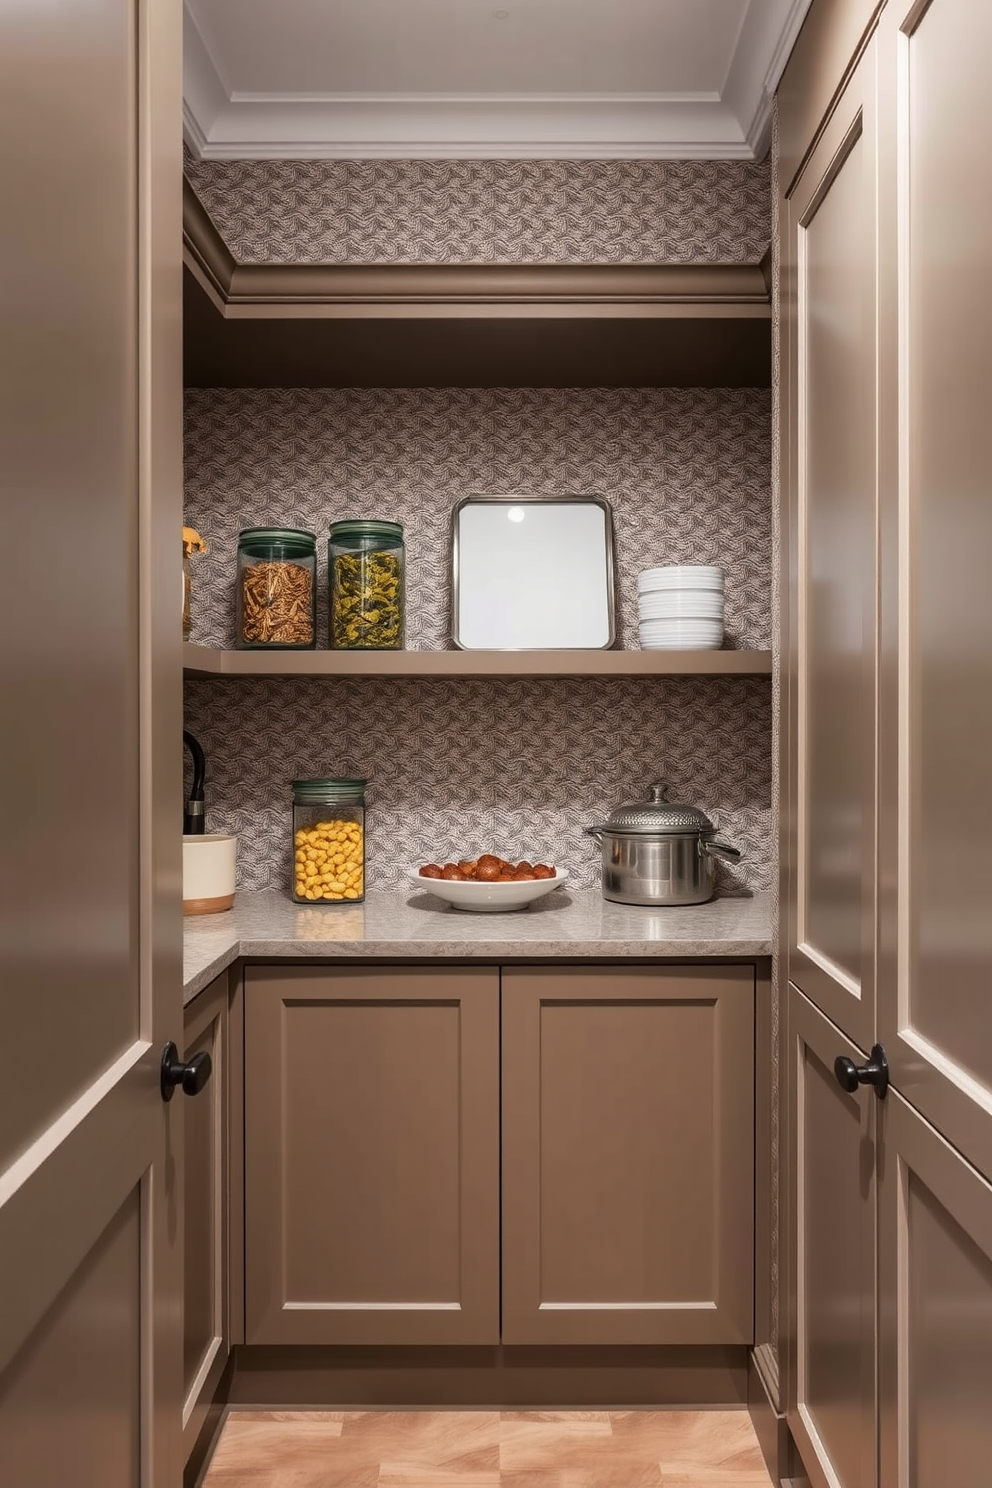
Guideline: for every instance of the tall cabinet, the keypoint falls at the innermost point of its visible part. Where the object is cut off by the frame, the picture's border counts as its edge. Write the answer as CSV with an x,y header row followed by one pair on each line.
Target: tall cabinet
x,y
887,467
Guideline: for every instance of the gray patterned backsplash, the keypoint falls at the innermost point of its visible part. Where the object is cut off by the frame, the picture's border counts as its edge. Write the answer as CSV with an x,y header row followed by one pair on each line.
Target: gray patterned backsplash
x,y
488,211
686,471
459,765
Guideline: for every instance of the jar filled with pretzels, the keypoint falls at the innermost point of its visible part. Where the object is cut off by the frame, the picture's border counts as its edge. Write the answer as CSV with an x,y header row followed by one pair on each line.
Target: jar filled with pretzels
x,y
276,588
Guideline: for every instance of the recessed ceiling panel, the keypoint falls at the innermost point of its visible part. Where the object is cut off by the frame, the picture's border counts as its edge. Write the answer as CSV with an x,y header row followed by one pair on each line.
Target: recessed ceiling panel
x,y
470,46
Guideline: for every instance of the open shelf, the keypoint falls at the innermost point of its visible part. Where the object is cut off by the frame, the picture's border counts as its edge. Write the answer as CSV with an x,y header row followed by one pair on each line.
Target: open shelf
x,y
205,661
468,325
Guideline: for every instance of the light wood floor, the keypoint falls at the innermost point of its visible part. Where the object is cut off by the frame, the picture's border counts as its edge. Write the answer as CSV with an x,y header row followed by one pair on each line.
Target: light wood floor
x,y
487,1449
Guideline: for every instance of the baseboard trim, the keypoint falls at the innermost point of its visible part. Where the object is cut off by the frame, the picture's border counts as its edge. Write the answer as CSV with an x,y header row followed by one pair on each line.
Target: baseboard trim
x,y
206,1437
770,1426
493,1378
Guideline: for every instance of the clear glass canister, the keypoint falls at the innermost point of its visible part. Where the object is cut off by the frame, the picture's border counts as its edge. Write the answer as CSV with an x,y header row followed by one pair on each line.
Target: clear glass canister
x,y
365,584
276,588
328,841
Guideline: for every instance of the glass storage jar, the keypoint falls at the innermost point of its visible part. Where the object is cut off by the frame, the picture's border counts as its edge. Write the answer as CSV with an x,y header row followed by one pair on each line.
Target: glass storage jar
x,y
276,589
365,586
328,841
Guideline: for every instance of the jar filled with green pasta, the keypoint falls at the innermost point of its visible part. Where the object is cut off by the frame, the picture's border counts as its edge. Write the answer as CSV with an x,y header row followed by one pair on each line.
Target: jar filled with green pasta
x,y
365,577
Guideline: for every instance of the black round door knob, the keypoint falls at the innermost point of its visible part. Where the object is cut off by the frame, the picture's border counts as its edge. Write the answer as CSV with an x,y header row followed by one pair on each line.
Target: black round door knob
x,y
191,1074
875,1073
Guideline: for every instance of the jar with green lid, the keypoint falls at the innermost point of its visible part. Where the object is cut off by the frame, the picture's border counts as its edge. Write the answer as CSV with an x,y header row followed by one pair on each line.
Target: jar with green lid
x,y
276,589
328,841
365,584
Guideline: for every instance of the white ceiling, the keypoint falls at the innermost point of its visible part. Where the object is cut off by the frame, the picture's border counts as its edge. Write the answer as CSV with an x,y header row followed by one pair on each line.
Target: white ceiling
x,y
643,79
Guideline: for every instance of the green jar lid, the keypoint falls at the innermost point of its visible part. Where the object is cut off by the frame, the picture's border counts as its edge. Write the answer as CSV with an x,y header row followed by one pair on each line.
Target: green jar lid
x,y
379,531
255,539
340,791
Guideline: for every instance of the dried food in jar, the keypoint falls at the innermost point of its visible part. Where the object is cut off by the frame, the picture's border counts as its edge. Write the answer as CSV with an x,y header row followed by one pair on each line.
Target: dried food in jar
x,y
328,860
367,601
277,604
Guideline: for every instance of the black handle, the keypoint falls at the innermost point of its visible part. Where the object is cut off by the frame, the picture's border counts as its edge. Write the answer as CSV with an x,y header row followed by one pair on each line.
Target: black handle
x,y
876,1073
191,1074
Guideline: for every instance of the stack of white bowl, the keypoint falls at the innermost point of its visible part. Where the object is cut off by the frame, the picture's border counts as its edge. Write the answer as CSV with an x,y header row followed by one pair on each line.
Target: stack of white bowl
x,y
681,608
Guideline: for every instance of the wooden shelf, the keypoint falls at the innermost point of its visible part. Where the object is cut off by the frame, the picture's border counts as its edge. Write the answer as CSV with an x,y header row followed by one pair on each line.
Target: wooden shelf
x,y
204,661
468,325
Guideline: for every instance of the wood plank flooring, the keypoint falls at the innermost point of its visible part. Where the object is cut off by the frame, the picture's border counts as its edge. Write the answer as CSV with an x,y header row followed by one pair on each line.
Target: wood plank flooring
x,y
487,1449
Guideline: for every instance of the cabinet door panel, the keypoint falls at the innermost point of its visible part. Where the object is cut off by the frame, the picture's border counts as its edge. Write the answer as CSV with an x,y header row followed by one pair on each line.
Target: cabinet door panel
x,y
372,1149
937,700
206,1331
832,473
628,1154
831,1393
935,1274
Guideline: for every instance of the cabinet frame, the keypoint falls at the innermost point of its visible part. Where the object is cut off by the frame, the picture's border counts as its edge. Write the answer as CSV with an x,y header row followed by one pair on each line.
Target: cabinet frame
x,y
727,1316
472,1315
207,1026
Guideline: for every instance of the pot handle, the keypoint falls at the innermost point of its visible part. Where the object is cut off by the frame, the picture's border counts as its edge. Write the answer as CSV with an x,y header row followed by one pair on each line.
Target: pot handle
x,y
596,832
721,850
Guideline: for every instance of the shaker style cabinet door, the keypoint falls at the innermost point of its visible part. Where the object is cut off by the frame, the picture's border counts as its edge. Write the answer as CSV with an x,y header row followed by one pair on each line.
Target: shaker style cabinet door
x,y
936,840
935,1280
372,1155
628,1154
206,1308
830,1294
830,474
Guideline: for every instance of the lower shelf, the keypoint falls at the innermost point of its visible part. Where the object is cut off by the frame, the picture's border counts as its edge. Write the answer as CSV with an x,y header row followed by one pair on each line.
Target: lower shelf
x,y
205,661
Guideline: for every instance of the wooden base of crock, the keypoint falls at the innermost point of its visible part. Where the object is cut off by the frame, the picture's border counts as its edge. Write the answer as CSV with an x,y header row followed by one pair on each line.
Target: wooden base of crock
x,y
208,906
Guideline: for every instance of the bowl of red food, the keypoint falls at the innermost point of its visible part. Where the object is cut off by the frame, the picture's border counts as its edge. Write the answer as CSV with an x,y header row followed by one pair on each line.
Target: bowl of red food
x,y
489,883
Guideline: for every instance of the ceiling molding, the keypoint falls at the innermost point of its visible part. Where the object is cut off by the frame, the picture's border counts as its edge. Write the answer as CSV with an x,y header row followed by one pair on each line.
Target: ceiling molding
x,y
732,124
456,127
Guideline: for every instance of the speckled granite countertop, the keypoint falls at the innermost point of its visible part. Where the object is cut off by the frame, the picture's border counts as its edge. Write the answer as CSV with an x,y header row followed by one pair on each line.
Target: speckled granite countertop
x,y
412,925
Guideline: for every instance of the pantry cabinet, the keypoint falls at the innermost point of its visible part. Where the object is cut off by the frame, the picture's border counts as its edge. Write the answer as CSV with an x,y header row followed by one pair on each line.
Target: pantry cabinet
x,y
372,1155
206,1204
375,1125
628,1154
887,456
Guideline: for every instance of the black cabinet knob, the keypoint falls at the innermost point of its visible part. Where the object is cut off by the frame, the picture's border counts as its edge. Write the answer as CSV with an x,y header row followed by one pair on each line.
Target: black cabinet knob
x,y
875,1073
191,1074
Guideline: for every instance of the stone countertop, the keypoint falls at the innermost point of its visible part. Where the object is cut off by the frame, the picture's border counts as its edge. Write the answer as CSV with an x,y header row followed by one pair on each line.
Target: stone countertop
x,y
412,925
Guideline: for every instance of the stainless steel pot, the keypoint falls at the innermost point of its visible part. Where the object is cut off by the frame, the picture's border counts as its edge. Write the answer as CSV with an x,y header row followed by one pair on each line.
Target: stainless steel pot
x,y
660,852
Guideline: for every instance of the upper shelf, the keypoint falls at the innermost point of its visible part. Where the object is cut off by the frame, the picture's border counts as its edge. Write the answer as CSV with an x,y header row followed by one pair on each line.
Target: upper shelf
x,y
204,661
468,325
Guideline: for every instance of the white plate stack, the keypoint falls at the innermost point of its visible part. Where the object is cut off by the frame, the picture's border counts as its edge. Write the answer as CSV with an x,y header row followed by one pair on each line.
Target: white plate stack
x,y
680,608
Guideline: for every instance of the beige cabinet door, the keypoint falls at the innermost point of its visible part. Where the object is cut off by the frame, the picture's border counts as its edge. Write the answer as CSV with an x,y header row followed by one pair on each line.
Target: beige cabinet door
x,y
206,1224
372,1155
936,859
830,1293
830,474
90,409
935,1280
628,1154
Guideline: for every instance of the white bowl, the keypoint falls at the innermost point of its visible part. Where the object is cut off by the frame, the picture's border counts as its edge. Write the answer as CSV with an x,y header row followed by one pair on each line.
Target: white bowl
x,y
696,604
674,635
680,576
489,897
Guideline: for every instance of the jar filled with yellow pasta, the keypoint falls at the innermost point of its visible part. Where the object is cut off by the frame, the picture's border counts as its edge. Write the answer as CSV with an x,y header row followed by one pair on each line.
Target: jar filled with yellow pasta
x,y
328,841
365,586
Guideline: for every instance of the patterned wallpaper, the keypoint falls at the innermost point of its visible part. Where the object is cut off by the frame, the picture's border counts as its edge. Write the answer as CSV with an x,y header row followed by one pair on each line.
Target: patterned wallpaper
x,y
687,471
488,211
520,766
458,766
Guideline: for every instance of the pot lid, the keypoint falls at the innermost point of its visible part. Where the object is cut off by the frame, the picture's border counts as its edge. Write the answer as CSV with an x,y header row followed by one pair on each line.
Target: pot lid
x,y
656,814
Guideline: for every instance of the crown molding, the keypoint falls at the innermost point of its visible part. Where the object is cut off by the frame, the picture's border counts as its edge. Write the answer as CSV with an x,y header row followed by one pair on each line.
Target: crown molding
x,y
457,127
